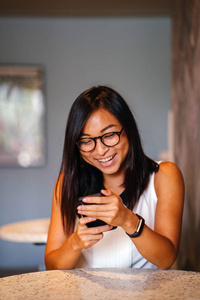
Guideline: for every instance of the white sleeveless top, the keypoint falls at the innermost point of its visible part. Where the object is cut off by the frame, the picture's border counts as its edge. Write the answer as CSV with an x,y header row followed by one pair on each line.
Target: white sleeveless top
x,y
116,249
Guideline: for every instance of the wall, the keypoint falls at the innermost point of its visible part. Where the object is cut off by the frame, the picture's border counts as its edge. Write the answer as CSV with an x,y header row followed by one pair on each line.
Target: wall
x,y
129,54
186,109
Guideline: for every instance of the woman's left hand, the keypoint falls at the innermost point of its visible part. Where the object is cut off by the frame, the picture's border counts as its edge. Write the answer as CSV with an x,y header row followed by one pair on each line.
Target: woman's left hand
x,y
109,209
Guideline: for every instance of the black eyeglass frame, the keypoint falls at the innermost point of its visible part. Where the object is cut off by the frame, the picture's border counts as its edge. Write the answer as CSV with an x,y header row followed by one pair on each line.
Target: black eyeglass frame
x,y
101,139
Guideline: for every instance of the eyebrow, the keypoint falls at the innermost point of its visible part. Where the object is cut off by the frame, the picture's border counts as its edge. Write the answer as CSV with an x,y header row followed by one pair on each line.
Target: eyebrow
x,y
102,130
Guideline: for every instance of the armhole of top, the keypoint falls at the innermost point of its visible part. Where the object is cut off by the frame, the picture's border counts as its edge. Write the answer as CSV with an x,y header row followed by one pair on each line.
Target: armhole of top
x,y
153,175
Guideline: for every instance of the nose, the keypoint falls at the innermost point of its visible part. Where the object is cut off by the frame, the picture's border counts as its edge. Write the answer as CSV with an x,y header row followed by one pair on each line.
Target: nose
x,y
100,148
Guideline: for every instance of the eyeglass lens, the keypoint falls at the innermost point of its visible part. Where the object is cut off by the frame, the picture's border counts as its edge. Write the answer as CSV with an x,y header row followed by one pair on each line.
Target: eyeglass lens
x,y
108,139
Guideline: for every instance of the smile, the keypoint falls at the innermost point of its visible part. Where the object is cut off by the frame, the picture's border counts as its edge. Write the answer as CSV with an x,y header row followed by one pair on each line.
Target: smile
x,y
104,160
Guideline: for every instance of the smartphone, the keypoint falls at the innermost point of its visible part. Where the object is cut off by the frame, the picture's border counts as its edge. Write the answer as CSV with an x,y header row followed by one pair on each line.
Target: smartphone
x,y
96,222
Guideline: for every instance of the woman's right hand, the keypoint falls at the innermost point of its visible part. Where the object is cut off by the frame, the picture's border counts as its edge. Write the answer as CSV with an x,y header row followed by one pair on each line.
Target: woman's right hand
x,y
86,237
63,249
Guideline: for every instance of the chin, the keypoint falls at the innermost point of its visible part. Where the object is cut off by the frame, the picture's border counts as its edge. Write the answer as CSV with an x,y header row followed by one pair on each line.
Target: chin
x,y
110,171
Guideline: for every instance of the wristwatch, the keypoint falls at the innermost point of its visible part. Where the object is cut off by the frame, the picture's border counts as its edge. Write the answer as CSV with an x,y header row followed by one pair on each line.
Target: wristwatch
x,y
139,228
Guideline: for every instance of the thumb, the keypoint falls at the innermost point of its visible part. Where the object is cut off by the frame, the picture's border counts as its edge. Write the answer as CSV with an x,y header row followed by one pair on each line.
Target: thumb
x,y
106,192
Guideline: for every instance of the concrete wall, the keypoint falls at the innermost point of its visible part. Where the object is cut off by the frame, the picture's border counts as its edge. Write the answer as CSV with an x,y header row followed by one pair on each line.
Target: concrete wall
x,y
129,54
186,110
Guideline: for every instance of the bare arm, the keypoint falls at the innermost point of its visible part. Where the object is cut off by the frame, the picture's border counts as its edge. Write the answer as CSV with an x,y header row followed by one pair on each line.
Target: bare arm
x,y
159,246
63,251
163,242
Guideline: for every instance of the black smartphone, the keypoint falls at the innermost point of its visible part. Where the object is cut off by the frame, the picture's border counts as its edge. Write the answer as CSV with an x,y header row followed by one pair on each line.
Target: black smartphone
x,y
96,222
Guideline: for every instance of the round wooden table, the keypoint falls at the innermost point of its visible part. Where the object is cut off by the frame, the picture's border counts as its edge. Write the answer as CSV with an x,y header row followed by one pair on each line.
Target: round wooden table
x,y
102,284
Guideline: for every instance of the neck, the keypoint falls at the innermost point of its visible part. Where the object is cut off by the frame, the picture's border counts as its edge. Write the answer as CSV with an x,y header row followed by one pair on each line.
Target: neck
x,y
114,183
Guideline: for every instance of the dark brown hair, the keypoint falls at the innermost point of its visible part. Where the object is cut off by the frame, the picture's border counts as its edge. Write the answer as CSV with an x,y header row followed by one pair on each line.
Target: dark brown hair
x,y
80,178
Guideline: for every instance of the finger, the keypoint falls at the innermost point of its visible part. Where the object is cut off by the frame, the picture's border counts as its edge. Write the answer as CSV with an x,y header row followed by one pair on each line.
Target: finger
x,y
101,229
93,230
91,237
95,200
96,211
98,231
105,228
85,220
109,217
94,207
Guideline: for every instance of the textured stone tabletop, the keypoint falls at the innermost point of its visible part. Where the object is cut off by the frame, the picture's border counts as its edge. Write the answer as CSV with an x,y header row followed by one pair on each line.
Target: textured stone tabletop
x,y
102,284
33,231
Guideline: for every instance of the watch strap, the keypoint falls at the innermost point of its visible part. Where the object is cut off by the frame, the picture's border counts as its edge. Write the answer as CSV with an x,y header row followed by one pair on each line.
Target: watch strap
x,y
139,228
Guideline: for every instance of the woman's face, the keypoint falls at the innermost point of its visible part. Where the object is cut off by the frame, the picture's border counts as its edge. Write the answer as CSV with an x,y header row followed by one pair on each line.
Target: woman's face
x,y
109,160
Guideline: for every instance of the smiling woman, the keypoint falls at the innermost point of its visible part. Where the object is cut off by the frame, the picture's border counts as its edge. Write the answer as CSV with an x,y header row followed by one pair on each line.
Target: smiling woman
x,y
140,198
110,150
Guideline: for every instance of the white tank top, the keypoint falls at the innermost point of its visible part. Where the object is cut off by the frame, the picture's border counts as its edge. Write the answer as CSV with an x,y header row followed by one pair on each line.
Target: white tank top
x,y
116,249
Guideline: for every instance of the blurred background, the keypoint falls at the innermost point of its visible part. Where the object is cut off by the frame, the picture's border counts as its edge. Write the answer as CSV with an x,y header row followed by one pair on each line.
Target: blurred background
x,y
126,47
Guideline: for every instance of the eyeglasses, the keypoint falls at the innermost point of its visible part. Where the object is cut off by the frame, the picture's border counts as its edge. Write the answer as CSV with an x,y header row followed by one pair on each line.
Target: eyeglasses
x,y
110,139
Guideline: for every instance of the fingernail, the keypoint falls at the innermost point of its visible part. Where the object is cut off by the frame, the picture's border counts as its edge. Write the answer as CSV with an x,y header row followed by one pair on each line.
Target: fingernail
x,y
85,199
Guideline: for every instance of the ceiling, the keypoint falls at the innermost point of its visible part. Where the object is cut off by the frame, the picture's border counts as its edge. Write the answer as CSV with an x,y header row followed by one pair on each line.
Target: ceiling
x,y
62,8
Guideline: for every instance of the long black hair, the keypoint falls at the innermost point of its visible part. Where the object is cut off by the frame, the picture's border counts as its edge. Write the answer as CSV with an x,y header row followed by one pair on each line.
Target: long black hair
x,y
80,178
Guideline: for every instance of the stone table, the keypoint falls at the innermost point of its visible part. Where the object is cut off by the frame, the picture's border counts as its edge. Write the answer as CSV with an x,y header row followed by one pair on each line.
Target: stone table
x,y
102,284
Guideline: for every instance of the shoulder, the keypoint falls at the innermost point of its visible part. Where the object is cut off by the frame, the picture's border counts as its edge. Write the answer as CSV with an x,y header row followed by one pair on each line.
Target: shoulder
x,y
168,176
169,168
58,188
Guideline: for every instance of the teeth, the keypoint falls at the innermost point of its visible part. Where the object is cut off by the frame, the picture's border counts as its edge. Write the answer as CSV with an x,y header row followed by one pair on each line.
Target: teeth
x,y
106,159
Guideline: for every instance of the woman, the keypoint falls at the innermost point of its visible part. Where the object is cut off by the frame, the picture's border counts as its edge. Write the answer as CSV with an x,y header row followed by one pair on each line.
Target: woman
x,y
141,201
